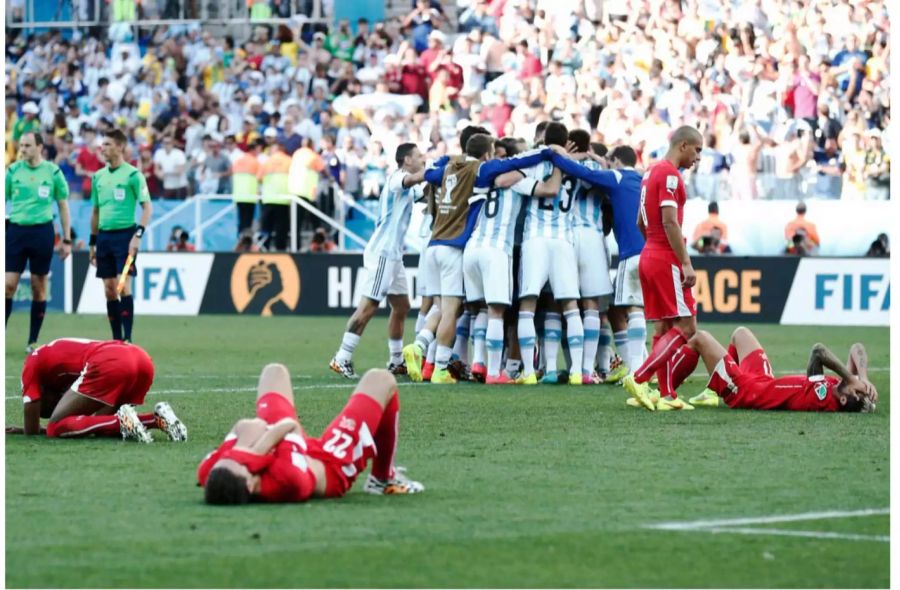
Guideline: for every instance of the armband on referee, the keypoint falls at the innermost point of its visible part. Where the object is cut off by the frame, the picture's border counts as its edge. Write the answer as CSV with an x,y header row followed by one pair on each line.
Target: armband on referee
x,y
93,240
140,231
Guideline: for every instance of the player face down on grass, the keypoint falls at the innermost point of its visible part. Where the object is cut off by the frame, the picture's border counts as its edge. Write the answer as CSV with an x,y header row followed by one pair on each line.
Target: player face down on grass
x,y
269,458
743,376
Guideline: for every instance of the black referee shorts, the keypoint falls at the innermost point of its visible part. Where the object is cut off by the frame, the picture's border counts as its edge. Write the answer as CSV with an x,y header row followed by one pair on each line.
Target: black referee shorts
x,y
112,250
31,245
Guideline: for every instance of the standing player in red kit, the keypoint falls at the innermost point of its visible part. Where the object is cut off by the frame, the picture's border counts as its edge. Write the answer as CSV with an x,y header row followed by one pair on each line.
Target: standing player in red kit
x,y
90,388
743,376
271,459
667,275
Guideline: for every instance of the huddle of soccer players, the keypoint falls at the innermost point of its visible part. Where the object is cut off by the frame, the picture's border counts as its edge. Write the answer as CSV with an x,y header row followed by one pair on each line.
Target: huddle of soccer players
x,y
512,237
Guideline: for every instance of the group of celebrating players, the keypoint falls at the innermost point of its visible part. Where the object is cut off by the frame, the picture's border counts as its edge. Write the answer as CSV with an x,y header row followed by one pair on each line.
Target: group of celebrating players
x,y
514,233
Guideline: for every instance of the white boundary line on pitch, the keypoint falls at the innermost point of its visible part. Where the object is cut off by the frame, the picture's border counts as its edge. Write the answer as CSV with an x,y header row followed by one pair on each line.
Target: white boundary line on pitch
x,y
734,525
244,389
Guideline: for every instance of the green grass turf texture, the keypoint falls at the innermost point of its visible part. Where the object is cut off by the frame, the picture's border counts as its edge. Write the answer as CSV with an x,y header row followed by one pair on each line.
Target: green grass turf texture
x,y
526,487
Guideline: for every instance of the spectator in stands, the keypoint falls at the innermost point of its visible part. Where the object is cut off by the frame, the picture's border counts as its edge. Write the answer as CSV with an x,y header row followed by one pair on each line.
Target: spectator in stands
x,y
289,136
854,184
800,234
88,160
216,169
826,126
790,157
880,248
375,172
148,169
829,170
29,123
421,22
710,170
171,167
711,234
877,169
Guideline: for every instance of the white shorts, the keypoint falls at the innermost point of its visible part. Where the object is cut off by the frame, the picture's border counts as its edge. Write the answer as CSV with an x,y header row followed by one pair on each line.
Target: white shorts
x,y
550,259
443,271
423,288
488,275
593,263
383,277
628,284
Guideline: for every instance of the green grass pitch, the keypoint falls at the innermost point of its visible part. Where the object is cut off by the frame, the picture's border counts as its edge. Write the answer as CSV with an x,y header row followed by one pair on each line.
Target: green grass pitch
x,y
526,487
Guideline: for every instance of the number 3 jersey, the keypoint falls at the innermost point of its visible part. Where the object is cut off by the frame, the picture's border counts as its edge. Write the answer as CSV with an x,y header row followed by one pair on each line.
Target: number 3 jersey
x,y
548,217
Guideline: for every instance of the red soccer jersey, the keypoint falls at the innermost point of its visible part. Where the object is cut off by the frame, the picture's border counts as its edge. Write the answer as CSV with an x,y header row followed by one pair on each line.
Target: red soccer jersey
x,y
800,393
54,367
662,186
287,479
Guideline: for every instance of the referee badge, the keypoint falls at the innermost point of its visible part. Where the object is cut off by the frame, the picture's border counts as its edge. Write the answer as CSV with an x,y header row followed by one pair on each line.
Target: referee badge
x,y
43,191
119,194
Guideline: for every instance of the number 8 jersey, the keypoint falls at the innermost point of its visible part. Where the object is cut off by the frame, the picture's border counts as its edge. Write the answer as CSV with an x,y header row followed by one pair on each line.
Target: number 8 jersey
x,y
548,217
496,224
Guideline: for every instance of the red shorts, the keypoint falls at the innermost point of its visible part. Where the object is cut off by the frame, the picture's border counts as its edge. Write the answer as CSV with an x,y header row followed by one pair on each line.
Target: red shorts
x,y
347,444
740,384
274,407
115,374
664,295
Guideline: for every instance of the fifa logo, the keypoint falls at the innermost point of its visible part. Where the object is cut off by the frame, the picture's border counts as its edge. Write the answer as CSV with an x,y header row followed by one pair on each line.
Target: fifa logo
x,y
449,185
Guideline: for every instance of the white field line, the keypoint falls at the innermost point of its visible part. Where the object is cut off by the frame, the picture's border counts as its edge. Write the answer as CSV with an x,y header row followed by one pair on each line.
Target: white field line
x,y
243,389
792,533
734,525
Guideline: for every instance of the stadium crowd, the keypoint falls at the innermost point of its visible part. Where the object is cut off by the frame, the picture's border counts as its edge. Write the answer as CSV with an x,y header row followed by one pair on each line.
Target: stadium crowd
x,y
792,97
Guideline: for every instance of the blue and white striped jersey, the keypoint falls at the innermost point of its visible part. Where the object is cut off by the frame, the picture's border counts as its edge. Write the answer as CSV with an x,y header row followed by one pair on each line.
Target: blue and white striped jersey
x,y
393,219
548,217
496,223
587,204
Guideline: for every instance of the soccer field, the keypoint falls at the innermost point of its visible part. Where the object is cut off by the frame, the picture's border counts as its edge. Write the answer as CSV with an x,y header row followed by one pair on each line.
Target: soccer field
x,y
526,487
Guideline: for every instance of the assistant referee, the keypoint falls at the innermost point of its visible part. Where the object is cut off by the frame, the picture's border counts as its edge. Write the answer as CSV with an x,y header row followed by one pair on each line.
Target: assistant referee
x,y
115,190
32,185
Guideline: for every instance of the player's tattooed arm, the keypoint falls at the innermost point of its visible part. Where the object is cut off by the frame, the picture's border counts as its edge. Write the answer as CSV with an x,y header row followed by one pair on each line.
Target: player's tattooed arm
x,y
858,361
821,358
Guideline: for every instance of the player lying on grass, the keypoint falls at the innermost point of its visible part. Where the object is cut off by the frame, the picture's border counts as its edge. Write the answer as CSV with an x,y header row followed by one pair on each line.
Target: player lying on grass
x,y
90,388
271,459
743,376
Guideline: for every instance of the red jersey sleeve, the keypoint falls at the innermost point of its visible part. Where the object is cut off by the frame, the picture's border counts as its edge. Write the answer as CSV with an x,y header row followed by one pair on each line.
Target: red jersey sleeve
x,y
662,186
212,458
288,478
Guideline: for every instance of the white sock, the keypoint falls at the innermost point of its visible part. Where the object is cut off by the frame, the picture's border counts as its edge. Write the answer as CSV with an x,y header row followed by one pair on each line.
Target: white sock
x,y
424,339
637,340
432,350
552,336
442,357
420,321
494,340
575,338
512,365
591,339
604,352
526,341
479,335
461,345
348,345
621,339
395,347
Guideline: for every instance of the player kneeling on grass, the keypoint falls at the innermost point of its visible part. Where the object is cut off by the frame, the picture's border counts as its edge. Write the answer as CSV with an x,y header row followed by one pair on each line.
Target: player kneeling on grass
x,y
271,459
743,376
91,388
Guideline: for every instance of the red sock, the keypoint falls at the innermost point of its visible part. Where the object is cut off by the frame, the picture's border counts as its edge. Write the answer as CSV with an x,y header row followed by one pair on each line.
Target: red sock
x,y
386,440
732,352
148,420
683,364
662,351
76,426
664,377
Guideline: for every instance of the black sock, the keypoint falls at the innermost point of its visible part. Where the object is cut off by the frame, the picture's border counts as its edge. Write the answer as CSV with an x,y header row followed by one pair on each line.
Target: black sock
x,y
38,309
126,307
115,319
8,308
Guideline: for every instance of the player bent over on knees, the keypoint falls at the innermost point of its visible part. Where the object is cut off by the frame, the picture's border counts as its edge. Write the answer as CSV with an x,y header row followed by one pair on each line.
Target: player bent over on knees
x,y
91,388
743,376
271,459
